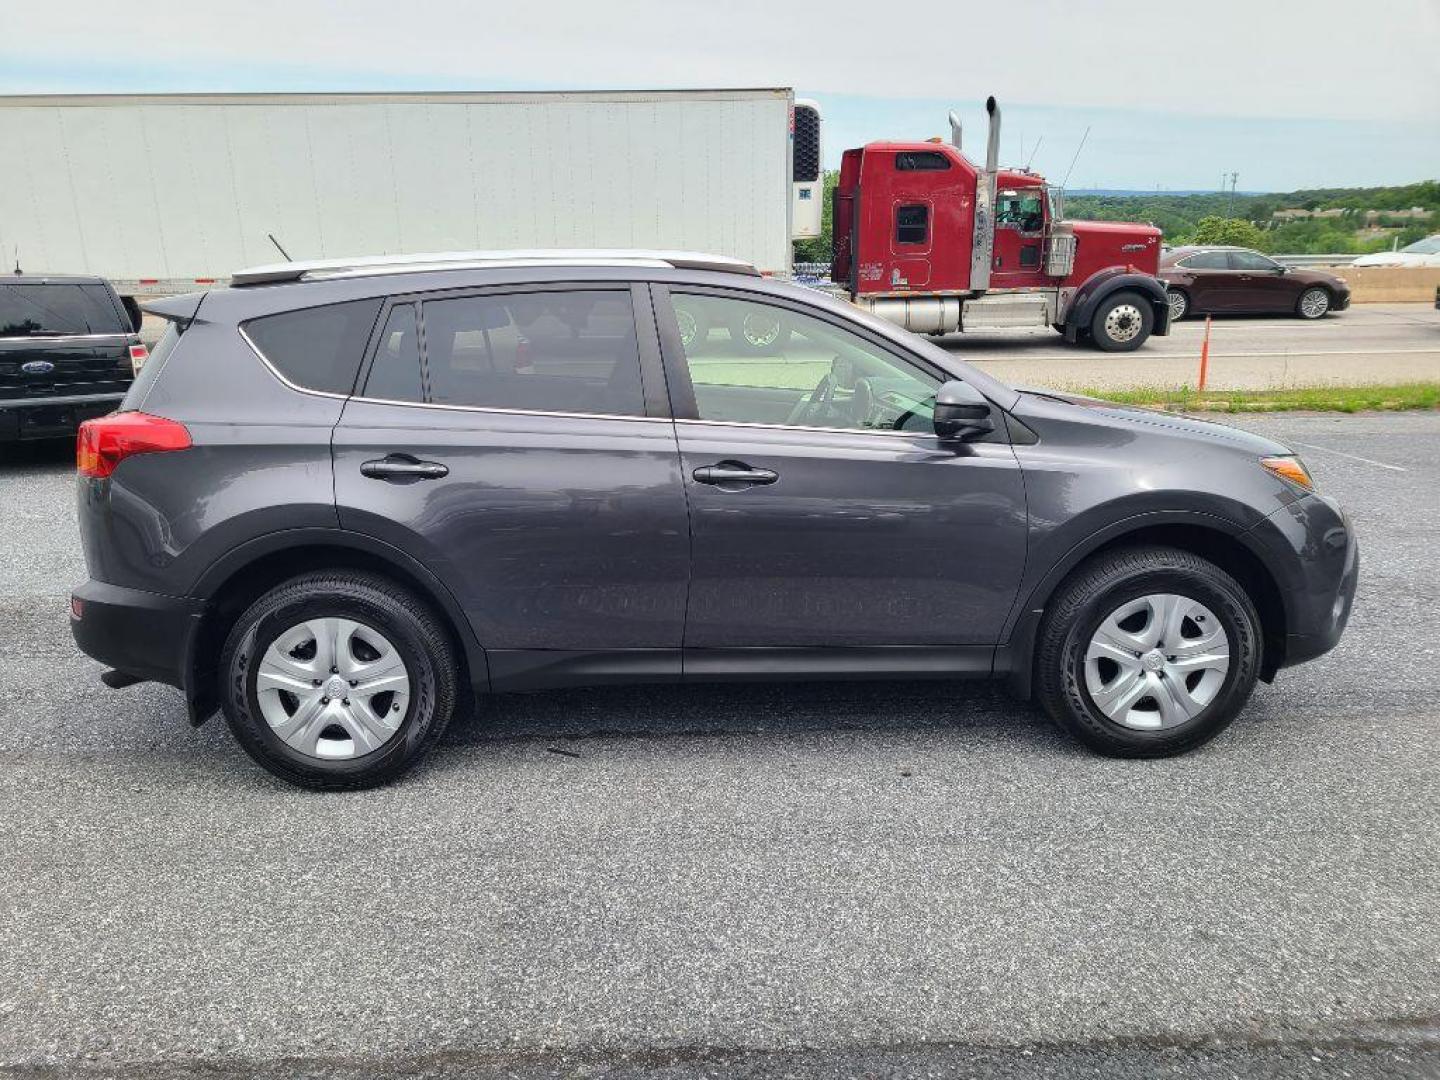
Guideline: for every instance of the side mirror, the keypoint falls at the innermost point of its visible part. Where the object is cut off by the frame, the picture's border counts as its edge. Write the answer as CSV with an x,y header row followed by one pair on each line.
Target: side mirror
x,y
961,412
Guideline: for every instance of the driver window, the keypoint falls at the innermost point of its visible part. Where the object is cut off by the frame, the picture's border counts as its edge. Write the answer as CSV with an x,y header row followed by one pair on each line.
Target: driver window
x,y
1021,210
755,363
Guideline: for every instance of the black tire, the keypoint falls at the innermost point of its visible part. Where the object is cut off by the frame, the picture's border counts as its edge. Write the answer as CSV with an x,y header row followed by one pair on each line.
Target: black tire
x,y
1313,303
1179,301
1097,588
417,634
759,340
1128,334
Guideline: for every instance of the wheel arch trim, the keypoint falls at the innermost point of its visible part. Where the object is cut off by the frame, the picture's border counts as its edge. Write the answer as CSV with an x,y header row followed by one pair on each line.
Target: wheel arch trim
x,y
224,571
1105,283
1015,658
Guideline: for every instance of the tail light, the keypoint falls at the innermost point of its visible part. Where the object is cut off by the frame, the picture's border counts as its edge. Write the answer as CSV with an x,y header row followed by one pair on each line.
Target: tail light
x,y
105,442
138,355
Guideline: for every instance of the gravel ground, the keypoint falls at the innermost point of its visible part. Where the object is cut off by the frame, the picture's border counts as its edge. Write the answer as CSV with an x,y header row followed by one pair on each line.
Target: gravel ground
x,y
889,880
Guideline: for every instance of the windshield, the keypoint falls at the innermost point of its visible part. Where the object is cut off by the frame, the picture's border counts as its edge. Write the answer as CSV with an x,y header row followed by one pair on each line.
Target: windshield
x,y
1429,246
36,310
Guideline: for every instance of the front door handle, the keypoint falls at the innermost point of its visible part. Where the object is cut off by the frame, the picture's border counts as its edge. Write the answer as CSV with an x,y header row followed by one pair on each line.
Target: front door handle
x,y
733,472
403,468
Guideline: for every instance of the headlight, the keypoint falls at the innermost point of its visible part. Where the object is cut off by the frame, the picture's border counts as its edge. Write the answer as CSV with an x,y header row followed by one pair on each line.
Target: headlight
x,y
1289,468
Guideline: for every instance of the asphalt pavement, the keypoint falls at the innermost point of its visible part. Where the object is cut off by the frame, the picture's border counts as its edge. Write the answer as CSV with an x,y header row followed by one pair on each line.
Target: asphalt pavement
x,y
801,880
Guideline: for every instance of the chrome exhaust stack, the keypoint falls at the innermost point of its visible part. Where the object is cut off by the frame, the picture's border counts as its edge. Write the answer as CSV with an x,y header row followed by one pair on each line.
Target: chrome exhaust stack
x,y
955,131
982,243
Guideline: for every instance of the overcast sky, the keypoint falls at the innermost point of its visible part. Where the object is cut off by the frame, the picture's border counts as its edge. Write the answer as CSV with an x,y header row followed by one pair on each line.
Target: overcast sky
x,y
1289,94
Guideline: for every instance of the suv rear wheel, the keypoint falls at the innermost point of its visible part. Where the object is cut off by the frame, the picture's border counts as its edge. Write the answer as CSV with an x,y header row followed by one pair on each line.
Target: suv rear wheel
x,y
1147,652
338,680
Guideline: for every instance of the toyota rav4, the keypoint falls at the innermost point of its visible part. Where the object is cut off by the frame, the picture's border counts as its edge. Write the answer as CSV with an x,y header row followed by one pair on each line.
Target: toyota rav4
x,y
344,498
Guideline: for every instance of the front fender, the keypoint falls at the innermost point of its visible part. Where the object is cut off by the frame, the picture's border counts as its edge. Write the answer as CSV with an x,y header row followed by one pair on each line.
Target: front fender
x,y
1015,657
1104,283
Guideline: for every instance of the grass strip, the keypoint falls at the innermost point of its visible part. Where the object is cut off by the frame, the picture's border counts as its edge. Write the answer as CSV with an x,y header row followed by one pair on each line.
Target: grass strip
x,y
1391,397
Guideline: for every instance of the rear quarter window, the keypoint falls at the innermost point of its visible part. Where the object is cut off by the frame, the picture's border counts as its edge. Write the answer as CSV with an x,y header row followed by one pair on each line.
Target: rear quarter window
x,y
38,310
317,348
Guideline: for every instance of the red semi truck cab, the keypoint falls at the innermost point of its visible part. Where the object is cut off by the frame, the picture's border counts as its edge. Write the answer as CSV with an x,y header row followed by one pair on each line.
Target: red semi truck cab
x,y
929,240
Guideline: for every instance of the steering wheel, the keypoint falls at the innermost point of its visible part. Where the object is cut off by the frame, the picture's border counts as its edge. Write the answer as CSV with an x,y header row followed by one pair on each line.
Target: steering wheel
x,y
861,402
808,409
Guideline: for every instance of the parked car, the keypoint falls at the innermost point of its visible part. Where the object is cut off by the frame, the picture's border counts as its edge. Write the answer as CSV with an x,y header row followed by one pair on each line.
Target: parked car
x,y
1424,252
1231,280
68,352
343,498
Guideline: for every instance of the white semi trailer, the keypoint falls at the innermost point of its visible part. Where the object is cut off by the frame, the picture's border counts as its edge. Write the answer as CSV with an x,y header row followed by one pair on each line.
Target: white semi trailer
x,y
167,193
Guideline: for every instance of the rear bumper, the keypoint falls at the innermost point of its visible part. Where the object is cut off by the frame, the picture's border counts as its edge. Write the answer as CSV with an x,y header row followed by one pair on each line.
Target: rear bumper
x,y
52,417
1341,302
140,633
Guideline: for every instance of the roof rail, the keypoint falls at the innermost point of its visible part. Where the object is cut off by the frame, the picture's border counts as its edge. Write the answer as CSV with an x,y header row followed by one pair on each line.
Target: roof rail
x,y
371,265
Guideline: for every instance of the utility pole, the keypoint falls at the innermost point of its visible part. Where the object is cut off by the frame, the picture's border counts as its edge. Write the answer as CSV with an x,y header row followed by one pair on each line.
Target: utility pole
x,y
1230,200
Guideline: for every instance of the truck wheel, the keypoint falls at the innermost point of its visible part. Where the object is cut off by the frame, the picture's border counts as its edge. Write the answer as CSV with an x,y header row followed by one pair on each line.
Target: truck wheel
x,y
760,332
1122,322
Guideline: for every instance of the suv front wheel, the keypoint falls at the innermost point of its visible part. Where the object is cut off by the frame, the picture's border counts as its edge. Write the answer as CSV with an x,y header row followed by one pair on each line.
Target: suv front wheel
x,y
338,680
1147,652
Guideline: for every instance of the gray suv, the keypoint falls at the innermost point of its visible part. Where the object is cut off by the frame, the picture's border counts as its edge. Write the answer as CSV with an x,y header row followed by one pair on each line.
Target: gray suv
x,y
343,498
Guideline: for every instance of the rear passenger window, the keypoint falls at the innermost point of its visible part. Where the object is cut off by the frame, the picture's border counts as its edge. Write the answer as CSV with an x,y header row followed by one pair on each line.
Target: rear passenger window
x,y
395,374
317,348
1206,260
538,351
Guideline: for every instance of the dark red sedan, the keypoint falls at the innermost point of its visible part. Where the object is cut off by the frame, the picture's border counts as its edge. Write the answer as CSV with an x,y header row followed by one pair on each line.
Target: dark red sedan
x,y
1231,280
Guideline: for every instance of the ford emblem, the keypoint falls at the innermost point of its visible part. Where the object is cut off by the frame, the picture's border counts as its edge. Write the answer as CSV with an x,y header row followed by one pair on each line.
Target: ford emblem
x,y
37,367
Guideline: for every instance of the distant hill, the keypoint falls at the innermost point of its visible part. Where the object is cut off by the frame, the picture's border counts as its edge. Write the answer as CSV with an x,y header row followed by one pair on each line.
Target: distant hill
x,y
1177,214
1141,193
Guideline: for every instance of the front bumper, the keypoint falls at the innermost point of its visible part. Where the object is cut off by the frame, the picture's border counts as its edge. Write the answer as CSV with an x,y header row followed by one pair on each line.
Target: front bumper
x,y
140,633
1329,609
1312,550
52,417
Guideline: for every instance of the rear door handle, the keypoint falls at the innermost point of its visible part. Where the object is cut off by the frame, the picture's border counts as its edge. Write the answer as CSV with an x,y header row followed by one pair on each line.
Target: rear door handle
x,y
403,468
733,472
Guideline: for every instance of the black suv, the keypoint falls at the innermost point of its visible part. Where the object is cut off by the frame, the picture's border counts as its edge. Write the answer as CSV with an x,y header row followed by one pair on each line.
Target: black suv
x,y
341,499
68,352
